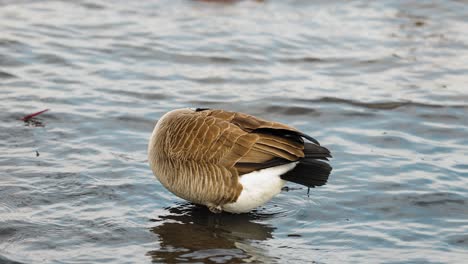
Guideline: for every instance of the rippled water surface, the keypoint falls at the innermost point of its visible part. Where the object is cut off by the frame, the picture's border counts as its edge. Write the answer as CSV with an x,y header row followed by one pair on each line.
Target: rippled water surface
x,y
383,84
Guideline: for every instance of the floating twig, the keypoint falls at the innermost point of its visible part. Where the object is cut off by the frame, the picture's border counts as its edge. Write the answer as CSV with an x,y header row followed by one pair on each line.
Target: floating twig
x,y
26,118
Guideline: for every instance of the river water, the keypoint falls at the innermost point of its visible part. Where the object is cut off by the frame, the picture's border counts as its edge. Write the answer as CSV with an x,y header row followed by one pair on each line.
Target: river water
x,y
382,84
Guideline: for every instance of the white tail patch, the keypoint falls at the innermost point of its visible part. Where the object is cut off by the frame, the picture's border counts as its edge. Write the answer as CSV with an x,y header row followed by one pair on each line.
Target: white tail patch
x,y
258,188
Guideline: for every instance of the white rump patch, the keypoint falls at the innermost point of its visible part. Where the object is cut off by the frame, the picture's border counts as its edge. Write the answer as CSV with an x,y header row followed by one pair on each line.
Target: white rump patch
x,y
258,188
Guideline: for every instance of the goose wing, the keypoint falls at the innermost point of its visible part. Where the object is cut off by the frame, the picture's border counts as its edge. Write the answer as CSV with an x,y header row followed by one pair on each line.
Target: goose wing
x,y
230,139
263,143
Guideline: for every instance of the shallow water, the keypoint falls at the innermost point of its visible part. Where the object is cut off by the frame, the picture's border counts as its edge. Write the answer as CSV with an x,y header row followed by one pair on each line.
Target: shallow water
x,y
380,83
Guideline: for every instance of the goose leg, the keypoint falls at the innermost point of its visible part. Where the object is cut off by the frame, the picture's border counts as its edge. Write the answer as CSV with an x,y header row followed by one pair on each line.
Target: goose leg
x,y
215,209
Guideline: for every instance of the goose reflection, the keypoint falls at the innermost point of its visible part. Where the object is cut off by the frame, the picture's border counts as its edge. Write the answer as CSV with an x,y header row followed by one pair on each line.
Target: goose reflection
x,y
192,233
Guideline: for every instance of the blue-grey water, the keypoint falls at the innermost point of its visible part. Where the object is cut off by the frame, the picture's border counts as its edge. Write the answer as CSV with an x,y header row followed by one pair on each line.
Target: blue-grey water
x,y
382,84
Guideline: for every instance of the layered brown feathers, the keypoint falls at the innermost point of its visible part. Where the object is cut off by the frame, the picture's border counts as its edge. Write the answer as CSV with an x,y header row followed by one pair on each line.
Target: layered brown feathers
x,y
199,155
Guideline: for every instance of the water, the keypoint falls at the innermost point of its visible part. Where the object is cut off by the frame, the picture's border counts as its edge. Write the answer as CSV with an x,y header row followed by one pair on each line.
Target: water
x,y
380,83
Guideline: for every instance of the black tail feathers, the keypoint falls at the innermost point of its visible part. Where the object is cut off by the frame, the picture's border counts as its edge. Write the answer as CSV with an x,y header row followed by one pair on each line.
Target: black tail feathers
x,y
309,172
316,151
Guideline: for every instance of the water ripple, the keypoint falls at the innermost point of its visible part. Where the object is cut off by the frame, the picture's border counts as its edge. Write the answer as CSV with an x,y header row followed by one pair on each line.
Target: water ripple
x,y
385,93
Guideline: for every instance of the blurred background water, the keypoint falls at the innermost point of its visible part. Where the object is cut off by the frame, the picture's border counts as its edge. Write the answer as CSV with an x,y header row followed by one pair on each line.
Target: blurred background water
x,y
383,84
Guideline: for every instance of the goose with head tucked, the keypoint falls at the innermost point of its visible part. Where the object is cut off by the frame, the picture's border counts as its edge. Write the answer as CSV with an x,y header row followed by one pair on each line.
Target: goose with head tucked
x,y
231,161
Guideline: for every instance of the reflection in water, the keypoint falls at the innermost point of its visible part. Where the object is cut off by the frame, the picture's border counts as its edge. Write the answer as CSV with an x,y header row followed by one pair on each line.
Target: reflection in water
x,y
34,123
191,232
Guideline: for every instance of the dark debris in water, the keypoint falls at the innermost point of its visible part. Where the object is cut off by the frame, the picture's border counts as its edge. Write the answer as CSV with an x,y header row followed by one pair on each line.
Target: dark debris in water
x,y
419,23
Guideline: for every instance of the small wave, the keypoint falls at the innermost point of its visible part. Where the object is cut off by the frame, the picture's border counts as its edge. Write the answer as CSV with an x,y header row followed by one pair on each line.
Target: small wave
x,y
292,110
138,95
6,75
341,61
198,59
218,59
48,58
436,199
203,103
5,260
303,60
92,6
378,105
459,240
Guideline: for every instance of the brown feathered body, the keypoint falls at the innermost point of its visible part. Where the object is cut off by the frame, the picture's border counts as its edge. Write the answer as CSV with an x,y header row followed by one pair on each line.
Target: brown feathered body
x,y
200,155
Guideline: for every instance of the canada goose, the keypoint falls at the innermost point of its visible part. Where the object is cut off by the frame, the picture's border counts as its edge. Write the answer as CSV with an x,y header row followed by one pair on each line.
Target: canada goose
x,y
231,161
